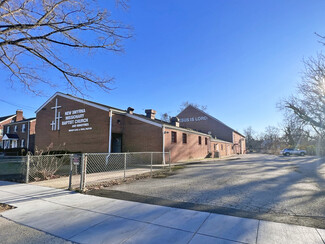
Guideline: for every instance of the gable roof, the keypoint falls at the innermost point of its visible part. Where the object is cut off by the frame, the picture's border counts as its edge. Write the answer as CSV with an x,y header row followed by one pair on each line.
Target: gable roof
x,y
20,121
7,117
81,100
212,118
141,117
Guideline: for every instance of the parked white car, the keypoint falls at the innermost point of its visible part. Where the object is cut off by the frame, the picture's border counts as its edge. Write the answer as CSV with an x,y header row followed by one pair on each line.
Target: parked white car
x,y
293,151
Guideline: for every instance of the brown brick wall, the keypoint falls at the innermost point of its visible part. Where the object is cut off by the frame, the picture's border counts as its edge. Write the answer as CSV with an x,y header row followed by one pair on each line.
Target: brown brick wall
x,y
32,131
202,122
224,149
118,123
32,126
197,120
183,151
239,143
141,137
95,140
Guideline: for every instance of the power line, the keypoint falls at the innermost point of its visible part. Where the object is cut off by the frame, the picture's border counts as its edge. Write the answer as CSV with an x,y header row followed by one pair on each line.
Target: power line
x,y
19,105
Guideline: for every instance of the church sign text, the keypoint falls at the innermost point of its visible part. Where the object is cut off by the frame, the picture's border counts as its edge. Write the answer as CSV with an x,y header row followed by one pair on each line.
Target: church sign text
x,y
193,119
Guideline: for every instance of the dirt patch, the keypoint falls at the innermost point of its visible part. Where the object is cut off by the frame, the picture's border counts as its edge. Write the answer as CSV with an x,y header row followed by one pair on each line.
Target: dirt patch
x,y
155,175
4,207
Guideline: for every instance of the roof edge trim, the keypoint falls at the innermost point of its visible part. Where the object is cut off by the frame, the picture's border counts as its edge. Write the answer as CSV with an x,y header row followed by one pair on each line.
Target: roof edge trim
x,y
73,99
143,120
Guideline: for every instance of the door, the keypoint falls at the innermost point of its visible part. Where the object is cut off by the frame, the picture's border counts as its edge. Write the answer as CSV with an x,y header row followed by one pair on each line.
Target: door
x,y
116,143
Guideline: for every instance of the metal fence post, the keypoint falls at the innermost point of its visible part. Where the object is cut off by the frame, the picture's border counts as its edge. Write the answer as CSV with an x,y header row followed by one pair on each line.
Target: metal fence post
x,y
82,172
85,171
124,164
170,168
151,165
71,169
27,168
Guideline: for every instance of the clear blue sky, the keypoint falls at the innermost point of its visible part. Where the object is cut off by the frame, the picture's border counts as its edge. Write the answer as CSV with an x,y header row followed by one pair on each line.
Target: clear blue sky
x,y
237,57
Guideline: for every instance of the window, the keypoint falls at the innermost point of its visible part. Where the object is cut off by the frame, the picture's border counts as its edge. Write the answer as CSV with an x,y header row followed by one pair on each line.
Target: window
x,y
8,129
15,128
1,132
23,128
221,146
184,138
206,141
22,144
200,140
14,144
174,137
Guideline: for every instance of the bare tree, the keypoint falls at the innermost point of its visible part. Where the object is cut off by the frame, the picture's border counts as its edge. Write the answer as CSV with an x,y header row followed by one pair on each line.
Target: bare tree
x,y
271,140
35,33
165,117
295,131
252,143
309,103
187,103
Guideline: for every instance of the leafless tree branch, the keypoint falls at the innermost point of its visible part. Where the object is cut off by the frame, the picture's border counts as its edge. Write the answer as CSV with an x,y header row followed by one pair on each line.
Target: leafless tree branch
x,y
309,103
33,32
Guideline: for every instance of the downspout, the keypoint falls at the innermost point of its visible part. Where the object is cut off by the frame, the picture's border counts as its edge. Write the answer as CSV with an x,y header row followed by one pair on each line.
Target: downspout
x,y
110,131
163,148
28,135
109,135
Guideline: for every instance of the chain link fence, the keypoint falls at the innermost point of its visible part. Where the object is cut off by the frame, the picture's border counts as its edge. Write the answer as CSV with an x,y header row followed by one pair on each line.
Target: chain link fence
x,y
13,168
58,170
46,167
76,171
101,167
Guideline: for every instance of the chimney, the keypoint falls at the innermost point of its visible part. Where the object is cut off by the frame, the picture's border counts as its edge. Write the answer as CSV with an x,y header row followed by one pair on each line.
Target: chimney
x,y
150,113
19,115
130,110
174,121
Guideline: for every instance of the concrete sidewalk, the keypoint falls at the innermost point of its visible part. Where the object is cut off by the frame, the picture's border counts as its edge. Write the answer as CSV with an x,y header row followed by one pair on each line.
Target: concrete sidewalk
x,y
89,219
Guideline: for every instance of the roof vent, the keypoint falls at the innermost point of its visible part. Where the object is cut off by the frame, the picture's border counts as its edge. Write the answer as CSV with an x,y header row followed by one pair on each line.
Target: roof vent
x,y
150,113
174,121
130,110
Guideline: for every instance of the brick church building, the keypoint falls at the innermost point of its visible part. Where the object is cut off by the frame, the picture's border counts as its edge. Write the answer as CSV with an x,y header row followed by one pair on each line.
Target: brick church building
x,y
69,123
194,118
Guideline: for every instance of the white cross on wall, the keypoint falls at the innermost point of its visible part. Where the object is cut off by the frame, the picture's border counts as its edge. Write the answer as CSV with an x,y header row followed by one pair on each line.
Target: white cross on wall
x,y
53,125
56,123
58,118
